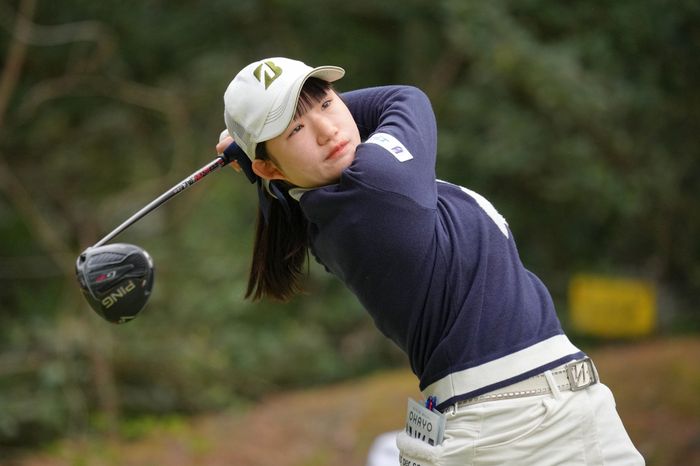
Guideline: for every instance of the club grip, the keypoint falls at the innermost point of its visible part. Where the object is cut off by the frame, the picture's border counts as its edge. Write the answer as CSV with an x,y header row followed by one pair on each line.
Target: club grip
x,y
234,152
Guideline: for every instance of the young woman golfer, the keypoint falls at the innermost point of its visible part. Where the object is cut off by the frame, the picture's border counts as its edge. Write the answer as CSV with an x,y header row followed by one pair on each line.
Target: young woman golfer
x,y
351,177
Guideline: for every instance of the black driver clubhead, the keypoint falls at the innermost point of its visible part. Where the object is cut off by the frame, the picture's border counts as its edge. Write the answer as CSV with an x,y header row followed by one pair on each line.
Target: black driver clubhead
x,y
116,280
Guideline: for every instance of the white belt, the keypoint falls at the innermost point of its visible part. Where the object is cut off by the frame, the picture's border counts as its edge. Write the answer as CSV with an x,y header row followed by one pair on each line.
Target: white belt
x,y
573,376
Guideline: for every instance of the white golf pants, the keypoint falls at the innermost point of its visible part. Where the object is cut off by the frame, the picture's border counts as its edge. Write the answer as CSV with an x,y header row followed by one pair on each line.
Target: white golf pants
x,y
562,428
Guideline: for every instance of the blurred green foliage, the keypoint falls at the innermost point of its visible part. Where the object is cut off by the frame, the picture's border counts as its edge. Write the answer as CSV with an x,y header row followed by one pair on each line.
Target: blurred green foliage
x,y
579,120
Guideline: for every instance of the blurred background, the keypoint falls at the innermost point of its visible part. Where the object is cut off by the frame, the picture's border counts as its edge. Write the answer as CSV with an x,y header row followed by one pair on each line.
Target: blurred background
x,y
579,120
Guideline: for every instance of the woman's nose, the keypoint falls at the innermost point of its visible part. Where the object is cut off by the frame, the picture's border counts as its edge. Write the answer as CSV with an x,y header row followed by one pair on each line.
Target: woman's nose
x,y
325,129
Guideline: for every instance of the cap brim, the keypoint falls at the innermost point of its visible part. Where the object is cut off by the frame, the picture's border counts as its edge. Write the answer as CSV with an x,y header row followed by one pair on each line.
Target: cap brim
x,y
327,73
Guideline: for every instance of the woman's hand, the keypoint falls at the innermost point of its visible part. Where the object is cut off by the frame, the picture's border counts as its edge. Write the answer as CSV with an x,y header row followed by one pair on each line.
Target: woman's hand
x,y
225,140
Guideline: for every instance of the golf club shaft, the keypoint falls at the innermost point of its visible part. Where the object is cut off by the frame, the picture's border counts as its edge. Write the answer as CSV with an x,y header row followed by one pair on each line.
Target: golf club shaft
x,y
233,152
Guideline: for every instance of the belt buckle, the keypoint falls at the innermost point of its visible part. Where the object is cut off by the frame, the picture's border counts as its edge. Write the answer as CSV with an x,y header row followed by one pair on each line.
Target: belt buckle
x,y
581,374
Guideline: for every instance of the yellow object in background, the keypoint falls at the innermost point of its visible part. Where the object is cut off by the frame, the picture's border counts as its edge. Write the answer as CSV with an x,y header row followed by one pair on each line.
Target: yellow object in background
x,y
612,307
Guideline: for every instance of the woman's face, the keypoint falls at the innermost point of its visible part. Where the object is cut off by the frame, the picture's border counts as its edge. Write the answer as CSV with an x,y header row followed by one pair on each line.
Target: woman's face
x,y
315,148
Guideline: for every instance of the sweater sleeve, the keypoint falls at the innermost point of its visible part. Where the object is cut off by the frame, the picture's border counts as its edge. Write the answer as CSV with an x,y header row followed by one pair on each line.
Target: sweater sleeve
x,y
398,129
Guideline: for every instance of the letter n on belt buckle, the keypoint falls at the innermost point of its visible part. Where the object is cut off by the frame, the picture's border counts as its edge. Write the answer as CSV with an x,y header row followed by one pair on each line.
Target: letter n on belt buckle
x,y
581,374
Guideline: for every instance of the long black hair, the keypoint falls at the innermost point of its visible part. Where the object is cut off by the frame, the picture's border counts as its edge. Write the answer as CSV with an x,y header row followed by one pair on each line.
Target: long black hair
x,y
281,243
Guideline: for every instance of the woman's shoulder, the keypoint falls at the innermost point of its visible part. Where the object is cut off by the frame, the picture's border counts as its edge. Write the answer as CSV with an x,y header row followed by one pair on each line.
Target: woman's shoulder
x,y
386,92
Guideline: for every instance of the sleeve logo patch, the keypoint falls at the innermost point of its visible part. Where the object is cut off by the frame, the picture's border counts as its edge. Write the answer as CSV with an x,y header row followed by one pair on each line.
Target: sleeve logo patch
x,y
391,144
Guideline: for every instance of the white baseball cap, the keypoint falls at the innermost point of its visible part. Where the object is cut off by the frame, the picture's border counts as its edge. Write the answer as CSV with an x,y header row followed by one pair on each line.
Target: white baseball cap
x,y
261,100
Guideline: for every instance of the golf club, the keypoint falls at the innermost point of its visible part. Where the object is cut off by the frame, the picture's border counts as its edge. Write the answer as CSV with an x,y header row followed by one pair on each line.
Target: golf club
x,y
117,279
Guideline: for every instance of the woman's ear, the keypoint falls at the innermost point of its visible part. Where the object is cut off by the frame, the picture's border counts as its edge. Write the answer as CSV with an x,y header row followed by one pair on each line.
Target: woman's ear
x,y
267,169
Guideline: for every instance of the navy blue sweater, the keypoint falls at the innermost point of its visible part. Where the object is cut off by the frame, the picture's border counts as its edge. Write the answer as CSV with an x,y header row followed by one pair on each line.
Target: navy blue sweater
x,y
433,263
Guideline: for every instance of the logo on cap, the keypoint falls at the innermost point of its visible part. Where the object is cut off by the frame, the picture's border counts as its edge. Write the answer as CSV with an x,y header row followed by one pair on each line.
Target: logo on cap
x,y
267,72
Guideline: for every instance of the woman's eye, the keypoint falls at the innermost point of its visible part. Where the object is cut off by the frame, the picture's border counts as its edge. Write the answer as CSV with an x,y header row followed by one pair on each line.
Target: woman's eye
x,y
296,129
326,103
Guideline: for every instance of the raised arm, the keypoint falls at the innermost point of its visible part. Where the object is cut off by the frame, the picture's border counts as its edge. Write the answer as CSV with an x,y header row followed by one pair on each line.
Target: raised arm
x,y
399,134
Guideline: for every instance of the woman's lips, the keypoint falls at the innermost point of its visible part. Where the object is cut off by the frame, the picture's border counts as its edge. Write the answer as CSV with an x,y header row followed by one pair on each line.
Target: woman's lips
x,y
337,150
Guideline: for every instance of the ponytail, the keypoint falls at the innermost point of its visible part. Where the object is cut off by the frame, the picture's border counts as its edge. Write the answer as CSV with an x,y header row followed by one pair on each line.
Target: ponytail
x,y
280,250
